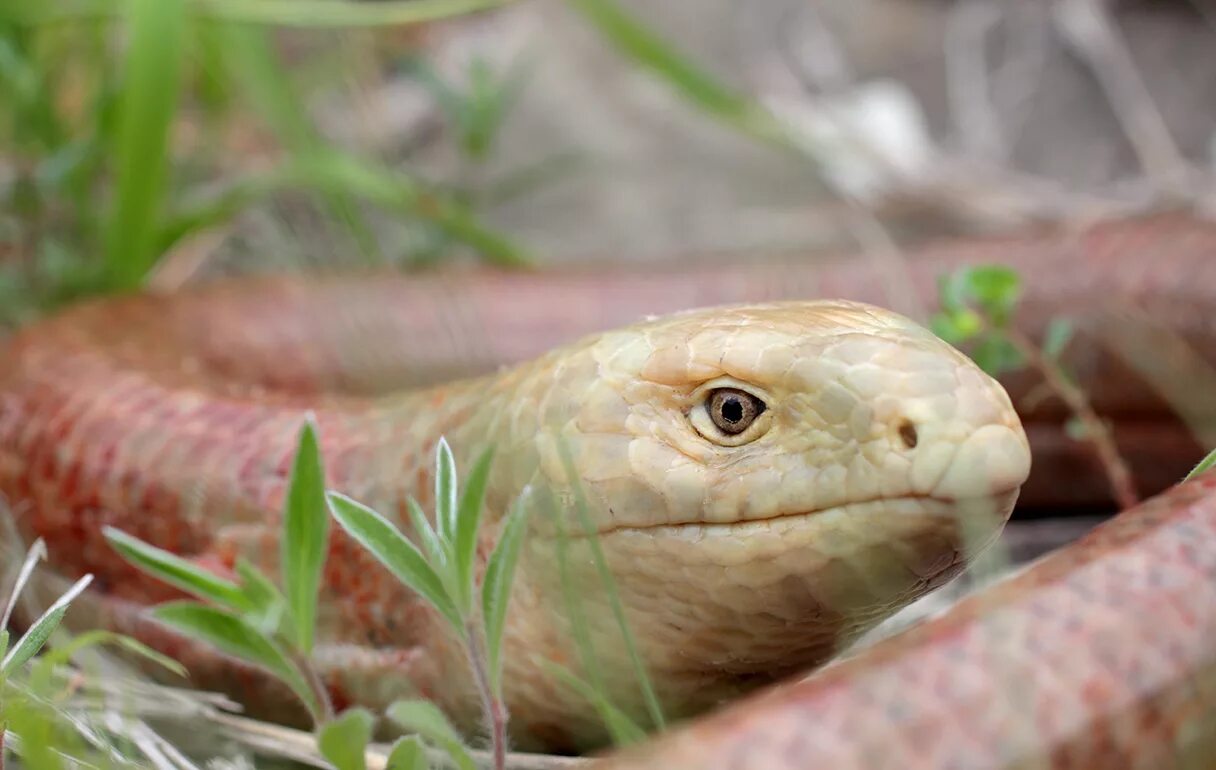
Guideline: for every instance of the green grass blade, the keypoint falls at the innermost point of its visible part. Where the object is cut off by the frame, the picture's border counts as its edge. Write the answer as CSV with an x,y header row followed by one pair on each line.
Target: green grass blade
x,y
305,536
176,571
425,719
614,599
325,14
41,629
395,552
23,84
468,524
35,554
407,754
496,586
650,51
235,636
1204,465
576,616
63,653
445,492
147,105
329,14
344,740
623,730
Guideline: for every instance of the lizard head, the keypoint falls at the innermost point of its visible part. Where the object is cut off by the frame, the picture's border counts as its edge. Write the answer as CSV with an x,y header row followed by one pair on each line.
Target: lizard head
x,y
765,483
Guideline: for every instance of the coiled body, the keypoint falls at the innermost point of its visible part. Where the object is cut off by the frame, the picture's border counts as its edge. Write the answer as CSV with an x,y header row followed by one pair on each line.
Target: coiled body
x,y
740,563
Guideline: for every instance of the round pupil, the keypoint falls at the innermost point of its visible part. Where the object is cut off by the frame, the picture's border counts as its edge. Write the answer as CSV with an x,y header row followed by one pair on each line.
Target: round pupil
x,y
732,409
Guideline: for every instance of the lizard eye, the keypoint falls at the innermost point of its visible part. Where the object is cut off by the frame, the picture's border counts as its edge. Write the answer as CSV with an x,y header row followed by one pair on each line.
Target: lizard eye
x,y
733,411
729,415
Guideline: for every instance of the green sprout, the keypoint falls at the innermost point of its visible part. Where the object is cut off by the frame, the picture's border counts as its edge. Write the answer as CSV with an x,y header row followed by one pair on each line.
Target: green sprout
x,y
443,572
978,306
252,619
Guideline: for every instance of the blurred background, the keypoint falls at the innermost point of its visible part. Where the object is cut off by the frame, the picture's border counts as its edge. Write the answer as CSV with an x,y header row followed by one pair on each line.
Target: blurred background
x,y
155,142
152,144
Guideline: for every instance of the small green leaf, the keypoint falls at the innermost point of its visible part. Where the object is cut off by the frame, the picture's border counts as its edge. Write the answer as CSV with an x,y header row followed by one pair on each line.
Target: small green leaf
x,y
996,355
624,731
407,754
957,326
394,551
3,642
425,719
445,492
996,288
496,587
952,291
468,524
63,653
267,602
344,740
1059,333
35,554
237,637
305,536
425,532
1203,465
176,571
42,628
436,551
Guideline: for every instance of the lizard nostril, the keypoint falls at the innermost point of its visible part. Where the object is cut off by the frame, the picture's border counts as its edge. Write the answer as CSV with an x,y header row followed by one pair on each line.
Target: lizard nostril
x,y
907,434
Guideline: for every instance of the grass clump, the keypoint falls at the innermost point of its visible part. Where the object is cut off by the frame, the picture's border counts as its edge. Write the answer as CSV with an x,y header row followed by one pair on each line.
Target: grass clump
x,y
125,133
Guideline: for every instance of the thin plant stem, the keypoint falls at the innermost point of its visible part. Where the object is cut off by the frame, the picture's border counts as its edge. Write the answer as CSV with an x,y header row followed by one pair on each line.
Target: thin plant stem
x,y
1096,431
315,684
491,704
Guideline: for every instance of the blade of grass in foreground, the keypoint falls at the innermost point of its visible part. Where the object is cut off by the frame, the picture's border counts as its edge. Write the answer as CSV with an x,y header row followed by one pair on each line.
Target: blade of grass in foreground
x,y
614,599
496,586
145,113
1204,465
326,14
647,49
29,645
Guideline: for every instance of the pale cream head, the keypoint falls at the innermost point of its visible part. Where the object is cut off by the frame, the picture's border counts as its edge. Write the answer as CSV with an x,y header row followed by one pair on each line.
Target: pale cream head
x,y
769,481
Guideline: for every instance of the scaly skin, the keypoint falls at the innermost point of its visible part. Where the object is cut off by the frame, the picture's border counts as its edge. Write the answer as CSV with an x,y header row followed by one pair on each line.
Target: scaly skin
x,y
174,418
738,559
1099,656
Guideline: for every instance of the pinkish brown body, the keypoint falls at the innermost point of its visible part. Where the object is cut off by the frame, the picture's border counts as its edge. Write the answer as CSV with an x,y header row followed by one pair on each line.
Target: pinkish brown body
x,y
1102,655
71,465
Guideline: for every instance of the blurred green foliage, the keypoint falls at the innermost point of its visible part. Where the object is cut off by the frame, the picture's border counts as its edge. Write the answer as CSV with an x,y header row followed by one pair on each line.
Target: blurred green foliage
x,y
131,126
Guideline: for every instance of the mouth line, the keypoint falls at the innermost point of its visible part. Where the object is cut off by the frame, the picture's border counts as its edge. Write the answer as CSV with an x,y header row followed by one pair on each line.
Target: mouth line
x,y
722,527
